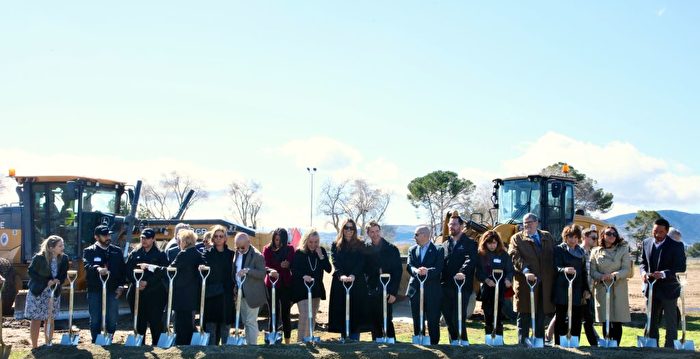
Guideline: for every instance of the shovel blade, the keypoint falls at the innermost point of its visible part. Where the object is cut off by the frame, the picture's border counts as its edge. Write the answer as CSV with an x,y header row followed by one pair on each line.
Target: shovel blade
x,y
646,342
568,342
494,340
166,340
134,340
311,340
67,339
200,339
533,342
421,339
685,345
384,340
234,340
5,351
607,343
273,338
104,339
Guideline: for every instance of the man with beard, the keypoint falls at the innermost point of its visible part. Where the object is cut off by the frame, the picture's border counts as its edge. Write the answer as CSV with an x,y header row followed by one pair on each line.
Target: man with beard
x,y
461,263
102,259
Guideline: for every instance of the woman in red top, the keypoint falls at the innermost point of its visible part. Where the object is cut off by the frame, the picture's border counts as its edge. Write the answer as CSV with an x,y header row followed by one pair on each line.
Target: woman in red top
x,y
279,256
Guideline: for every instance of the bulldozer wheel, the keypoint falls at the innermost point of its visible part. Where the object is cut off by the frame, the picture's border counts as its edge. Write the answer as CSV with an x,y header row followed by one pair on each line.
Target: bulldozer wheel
x,y
10,291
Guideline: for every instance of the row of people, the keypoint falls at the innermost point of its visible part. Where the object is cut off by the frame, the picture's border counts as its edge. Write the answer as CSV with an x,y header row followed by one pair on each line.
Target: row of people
x,y
531,257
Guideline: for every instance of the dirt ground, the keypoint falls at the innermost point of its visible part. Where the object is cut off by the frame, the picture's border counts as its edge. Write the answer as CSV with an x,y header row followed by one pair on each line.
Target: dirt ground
x,y
16,333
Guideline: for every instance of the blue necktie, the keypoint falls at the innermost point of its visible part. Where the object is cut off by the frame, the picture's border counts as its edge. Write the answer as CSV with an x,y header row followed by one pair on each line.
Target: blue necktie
x,y
536,238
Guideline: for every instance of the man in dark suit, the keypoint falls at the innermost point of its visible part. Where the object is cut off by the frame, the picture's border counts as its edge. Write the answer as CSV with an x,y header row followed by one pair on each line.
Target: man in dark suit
x,y
662,258
425,259
461,263
382,257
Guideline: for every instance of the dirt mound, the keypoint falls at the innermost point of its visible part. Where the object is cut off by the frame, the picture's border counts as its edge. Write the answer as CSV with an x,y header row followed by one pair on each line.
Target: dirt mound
x,y
352,350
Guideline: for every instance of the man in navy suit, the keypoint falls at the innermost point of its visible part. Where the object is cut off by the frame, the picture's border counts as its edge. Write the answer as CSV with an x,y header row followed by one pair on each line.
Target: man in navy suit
x,y
425,259
662,258
461,263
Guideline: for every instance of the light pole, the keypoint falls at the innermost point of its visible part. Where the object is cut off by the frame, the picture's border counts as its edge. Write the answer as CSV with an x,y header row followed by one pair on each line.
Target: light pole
x,y
312,171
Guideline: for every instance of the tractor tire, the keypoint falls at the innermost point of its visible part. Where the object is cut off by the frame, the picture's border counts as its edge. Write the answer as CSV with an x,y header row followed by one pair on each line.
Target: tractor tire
x,y
9,292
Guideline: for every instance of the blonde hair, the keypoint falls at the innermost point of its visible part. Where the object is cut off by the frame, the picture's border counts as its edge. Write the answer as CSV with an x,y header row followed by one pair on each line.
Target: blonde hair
x,y
216,228
305,239
188,237
47,246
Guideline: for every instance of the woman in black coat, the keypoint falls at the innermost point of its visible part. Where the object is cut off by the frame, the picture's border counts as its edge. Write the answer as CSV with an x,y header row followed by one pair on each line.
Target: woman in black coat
x,y
570,258
186,286
218,308
348,258
310,261
48,267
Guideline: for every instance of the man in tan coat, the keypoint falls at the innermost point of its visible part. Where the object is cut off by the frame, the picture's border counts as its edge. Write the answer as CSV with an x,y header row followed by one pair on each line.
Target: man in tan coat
x,y
249,263
532,254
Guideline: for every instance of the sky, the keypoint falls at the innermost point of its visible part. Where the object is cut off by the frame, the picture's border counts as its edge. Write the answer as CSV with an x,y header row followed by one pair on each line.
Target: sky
x,y
385,91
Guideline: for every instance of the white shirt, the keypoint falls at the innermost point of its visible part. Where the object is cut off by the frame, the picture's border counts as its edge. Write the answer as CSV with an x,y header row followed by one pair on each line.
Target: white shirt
x,y
239,262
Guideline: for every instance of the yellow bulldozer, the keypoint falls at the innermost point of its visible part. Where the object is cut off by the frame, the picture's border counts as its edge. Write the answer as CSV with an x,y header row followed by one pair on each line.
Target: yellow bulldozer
x,y
71,207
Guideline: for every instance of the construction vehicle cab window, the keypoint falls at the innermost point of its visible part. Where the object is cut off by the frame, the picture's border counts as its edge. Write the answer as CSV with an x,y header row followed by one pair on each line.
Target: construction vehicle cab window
x,y
550,198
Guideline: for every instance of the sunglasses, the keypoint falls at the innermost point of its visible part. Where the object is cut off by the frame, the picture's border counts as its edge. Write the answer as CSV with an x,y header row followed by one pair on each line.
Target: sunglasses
x,y
349,228
594,237
610,233
218,236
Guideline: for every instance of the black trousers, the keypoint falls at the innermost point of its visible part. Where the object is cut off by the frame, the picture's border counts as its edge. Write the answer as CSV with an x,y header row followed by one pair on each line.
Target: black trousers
x,y
588,320
669,311
376,313
615,331
432,314
151,306
449,307
184,326
283,297
487,307
561,327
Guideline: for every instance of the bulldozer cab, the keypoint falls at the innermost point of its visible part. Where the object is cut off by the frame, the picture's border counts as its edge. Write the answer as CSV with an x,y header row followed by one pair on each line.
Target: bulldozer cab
x,y
70,207
551,198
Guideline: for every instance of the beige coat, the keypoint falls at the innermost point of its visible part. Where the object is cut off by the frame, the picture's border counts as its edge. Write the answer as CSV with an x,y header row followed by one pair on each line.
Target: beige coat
x,y
524,252
254,289
606,261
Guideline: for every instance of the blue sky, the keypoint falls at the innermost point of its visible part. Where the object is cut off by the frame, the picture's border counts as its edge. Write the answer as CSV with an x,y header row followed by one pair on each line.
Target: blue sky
x,y
379,90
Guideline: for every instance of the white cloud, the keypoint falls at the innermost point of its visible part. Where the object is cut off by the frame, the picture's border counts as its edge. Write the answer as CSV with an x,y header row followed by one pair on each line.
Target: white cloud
x,y
321,152
661,12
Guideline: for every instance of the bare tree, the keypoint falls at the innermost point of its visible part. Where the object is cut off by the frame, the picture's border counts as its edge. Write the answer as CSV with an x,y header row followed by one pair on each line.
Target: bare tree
x,y
479,202
246,201
366,203
165,199
332,198
356,199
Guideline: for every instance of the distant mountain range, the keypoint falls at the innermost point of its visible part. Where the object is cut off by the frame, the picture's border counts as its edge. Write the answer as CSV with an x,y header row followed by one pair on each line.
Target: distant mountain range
x,y
687,223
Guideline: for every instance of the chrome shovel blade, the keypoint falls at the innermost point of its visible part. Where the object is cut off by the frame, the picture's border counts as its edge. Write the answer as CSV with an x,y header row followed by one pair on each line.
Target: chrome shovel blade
x,y
686,345
166,340
237,341
134,340
607,343
494,340
646,342
67,339
568,342
533,342
200,339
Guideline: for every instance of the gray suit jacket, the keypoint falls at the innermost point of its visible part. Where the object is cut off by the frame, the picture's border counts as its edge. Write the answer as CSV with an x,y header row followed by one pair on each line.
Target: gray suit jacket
x,y
254,290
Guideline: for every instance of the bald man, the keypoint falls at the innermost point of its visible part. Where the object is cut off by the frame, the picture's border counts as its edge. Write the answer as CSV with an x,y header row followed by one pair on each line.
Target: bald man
x,y
425,260
249,263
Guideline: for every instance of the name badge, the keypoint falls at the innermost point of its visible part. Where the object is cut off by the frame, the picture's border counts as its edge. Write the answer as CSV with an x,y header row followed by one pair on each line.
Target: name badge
x,y
98,259
497,260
